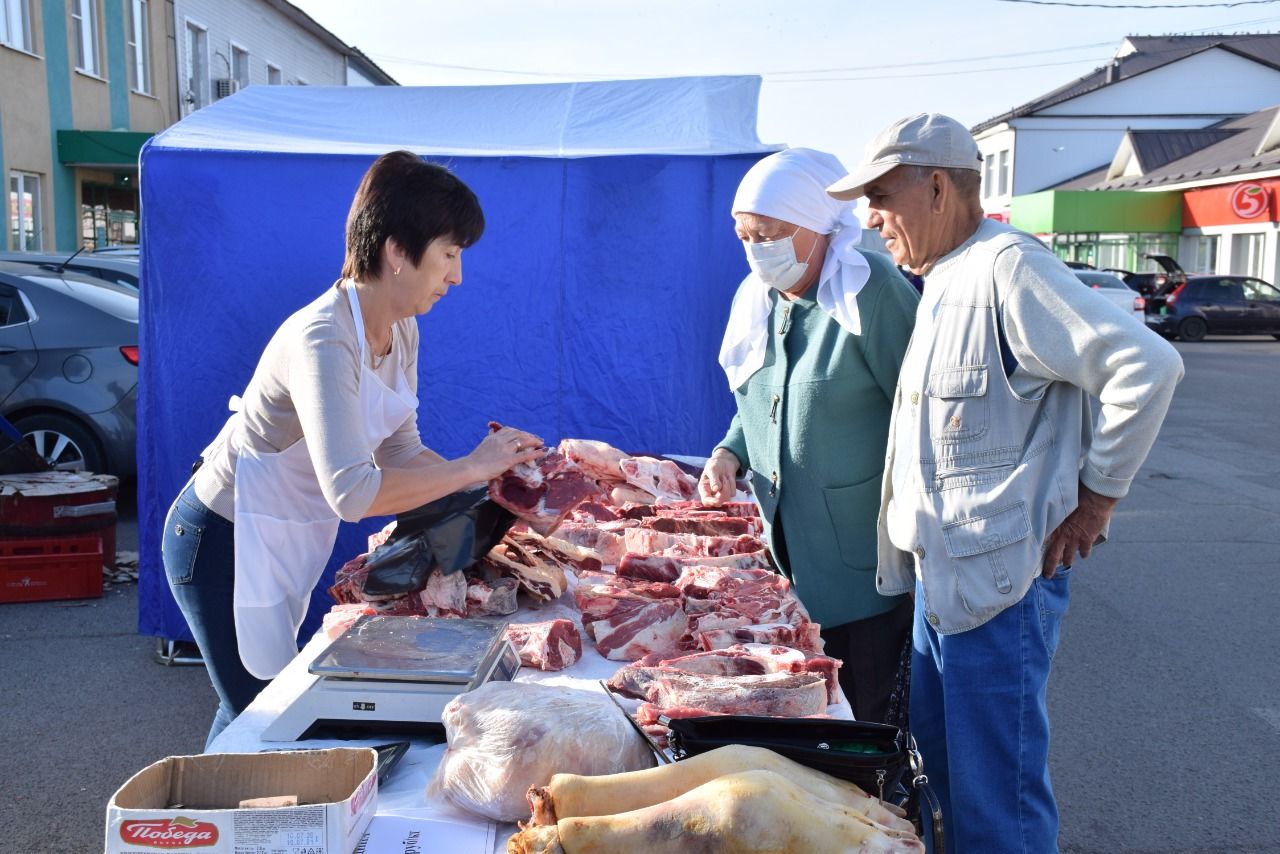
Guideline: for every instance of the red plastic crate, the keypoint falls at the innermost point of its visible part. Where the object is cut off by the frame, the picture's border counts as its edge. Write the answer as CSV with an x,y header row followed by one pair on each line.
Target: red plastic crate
x,y
35,570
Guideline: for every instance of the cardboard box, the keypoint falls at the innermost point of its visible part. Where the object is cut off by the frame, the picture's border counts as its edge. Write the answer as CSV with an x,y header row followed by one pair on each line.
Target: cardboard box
x,y
189,803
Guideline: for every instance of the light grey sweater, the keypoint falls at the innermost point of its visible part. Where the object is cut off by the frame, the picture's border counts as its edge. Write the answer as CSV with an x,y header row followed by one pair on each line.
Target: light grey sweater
x,y
307,383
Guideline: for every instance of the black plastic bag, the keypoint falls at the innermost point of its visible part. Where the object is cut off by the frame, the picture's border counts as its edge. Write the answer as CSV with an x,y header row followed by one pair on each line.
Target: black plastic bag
x,y
449,534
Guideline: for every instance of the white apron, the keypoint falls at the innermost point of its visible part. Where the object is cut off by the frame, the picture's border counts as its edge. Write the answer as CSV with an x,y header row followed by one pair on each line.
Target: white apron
x,y
285,529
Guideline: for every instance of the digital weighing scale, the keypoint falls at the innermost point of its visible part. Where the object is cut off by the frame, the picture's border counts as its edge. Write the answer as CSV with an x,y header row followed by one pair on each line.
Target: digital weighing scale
x,y
395,675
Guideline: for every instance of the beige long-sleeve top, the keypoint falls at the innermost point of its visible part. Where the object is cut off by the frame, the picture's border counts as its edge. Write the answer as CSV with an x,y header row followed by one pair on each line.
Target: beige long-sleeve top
x,y
307,383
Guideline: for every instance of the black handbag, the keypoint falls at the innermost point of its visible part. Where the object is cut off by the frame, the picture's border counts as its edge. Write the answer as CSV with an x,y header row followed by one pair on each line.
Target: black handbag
x,y
880,759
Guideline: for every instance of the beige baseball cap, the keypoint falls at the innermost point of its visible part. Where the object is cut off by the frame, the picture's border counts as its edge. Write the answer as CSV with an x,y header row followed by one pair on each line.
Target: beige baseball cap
x,y
925,139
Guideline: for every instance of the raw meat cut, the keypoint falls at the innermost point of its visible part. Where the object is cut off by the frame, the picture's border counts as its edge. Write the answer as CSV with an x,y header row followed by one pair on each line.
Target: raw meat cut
x,y
563,553
701,581
741,660
549,645
750,812
342,616
495,598
507,736
630,622
804,636
597,459
786,695
627,494
444,595
647,541
648,567
660,478
591,511
707,525
543,579
607,545
348,581
543,492
689,508
572,795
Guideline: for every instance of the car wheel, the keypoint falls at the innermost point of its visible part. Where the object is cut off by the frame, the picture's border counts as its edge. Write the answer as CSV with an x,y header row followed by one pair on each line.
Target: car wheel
x,y
1192,329
64,443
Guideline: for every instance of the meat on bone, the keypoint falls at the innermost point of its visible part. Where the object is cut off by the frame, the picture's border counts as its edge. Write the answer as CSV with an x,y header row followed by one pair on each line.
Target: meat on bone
x,y
689,508
496,598
787,695
660,478
541,578
607,545
648,541
753,660
548,645
705,525
805,636
598,459
630,622
544,491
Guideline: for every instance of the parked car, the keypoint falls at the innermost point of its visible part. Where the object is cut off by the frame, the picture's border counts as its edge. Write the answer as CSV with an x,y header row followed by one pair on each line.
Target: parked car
x,y
69,366
1155,284
119,268
1216,305
1111,287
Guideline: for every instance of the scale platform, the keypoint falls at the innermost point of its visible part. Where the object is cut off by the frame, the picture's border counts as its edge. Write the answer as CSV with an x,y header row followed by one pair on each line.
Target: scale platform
x,y
395,675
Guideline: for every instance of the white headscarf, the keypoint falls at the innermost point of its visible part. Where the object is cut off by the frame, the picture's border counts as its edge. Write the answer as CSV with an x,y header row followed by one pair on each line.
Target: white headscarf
x,y
792,186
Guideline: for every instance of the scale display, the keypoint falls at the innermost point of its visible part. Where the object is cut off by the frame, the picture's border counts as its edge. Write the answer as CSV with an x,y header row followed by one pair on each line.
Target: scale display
x,y
413,649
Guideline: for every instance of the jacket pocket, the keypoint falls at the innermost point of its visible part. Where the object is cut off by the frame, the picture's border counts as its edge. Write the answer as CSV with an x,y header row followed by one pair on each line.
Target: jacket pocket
x,y
958,403
853,511
981,548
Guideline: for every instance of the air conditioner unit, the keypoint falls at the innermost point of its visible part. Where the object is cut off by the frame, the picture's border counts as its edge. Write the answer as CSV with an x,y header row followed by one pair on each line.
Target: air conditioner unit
x,y
224,87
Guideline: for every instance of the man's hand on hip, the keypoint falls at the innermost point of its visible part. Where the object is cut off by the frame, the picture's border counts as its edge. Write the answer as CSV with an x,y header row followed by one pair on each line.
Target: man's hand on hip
x,y
1078,532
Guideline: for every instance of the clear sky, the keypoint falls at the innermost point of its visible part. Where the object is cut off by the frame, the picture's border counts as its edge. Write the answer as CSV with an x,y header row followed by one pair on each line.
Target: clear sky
x,y
835,71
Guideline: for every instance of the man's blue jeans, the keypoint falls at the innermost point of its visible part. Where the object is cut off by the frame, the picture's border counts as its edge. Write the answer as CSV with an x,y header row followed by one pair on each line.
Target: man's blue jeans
x,y
198,549
979,716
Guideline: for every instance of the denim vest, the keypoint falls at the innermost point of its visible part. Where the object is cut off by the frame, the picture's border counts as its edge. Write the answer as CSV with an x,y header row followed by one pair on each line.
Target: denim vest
x,y
992,474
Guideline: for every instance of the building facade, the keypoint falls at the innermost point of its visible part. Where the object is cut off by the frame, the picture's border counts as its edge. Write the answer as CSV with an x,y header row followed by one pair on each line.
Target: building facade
x,y
83,83
225,45
1164,83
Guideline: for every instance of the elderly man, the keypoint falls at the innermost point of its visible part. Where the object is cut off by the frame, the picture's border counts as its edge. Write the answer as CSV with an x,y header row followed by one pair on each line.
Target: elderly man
x,y
995,479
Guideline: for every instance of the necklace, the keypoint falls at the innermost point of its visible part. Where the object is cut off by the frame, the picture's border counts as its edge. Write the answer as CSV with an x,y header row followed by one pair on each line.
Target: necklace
x,y
377,360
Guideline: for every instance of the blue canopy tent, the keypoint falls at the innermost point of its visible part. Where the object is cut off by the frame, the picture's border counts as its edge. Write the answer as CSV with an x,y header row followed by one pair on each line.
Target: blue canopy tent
x,y
592,307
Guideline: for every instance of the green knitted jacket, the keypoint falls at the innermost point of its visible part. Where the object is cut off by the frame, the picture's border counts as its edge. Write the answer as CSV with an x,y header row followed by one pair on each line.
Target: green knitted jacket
x,y
812,426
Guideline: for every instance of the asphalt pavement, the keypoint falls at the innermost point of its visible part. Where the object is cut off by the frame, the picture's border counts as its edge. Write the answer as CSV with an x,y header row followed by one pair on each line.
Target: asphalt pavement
x,y
1165,698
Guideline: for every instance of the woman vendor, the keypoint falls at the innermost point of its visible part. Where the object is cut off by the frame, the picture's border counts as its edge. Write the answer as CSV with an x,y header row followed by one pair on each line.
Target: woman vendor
x,y
326,431
814,341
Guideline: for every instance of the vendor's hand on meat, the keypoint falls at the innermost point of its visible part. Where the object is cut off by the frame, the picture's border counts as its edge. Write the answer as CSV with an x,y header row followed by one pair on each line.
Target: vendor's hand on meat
x,y
718,483
1079,532
504,449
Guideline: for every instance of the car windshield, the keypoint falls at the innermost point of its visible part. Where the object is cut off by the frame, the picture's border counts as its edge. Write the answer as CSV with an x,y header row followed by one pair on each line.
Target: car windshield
x,y
1101,280
117,300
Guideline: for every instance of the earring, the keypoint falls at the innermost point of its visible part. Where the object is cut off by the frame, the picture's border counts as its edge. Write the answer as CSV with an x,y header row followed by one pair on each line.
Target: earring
x,y
397,271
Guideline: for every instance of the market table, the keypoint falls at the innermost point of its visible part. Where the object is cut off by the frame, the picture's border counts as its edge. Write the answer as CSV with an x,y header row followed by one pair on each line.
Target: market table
x,y
404,794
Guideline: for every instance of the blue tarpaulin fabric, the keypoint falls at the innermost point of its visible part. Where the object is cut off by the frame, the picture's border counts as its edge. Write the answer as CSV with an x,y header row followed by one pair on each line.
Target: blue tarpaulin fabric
x,y
592,307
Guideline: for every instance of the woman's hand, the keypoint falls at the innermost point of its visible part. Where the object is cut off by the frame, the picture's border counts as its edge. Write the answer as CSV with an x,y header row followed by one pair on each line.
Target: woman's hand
x,y
719,481
504,449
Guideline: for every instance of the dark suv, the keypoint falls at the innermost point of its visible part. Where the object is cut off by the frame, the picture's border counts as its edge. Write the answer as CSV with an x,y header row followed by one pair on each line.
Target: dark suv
x,y
1216,305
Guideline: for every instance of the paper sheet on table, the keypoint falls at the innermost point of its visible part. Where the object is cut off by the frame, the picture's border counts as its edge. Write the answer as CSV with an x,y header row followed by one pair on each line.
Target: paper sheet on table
x,y
407,835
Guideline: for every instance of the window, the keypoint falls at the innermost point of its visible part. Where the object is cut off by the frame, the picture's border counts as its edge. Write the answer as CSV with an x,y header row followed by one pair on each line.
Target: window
x,y
24,212
274,77
140,46
989,176
1204,254
240,66
84,14
1246,254
1260,291
15,23
196,68
1004,172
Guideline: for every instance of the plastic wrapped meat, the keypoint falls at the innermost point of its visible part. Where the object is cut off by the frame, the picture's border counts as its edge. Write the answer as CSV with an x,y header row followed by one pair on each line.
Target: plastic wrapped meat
x,y
505,737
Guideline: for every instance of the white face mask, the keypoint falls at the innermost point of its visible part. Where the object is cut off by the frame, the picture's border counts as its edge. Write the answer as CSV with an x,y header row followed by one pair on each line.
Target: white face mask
x,y
774,262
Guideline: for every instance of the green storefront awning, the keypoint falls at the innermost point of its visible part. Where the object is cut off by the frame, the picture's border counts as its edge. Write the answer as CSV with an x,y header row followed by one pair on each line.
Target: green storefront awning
x,y
108,148
1096,211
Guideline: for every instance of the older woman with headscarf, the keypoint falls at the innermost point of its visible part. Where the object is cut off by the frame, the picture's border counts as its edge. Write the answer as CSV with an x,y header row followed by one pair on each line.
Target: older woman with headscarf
x,y
814,341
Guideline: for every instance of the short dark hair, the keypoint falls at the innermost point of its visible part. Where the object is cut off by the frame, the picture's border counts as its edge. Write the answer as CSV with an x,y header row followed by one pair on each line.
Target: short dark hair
x,y
411,201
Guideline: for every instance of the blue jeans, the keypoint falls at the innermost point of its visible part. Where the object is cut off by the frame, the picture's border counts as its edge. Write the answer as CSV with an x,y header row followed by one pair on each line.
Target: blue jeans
x,y
980,719
198,549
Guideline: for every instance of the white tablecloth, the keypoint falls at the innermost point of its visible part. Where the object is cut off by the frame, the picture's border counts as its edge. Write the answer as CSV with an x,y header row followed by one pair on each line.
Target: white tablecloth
x,y
405,791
